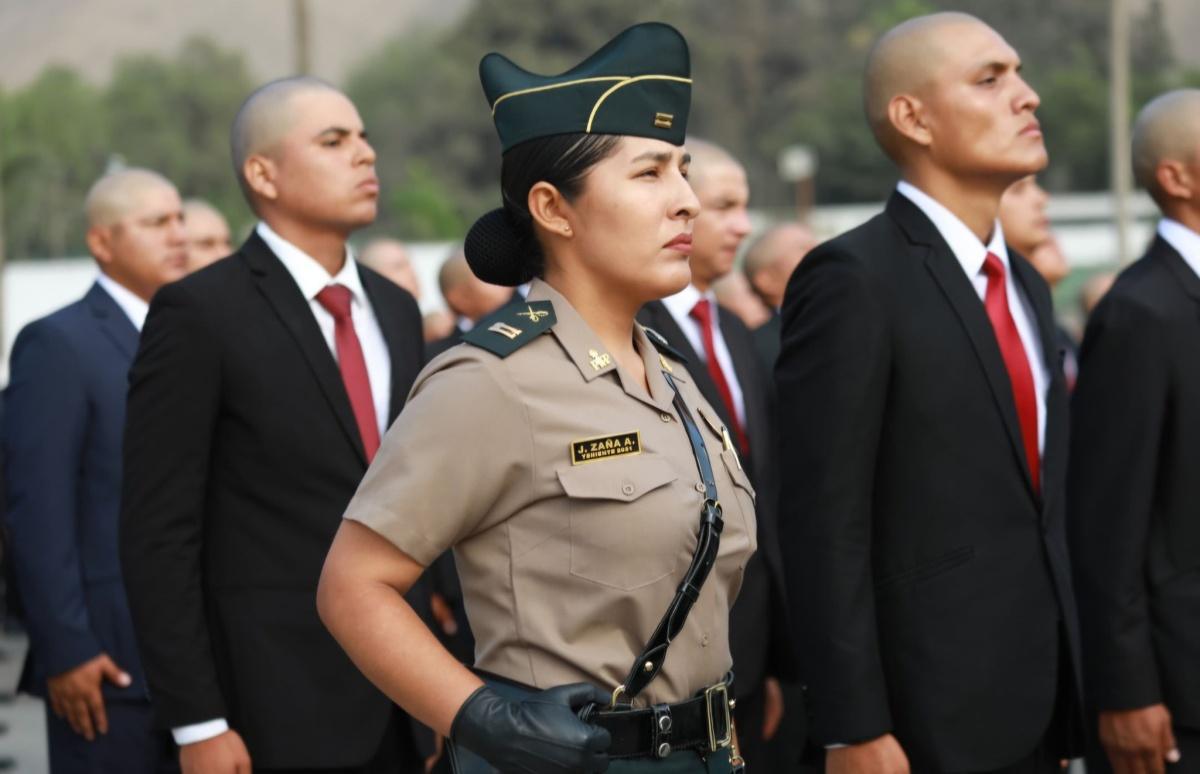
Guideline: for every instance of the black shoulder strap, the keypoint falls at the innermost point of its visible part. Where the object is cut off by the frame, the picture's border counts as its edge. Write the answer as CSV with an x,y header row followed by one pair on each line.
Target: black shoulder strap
x,y
650,661
512,327
662,345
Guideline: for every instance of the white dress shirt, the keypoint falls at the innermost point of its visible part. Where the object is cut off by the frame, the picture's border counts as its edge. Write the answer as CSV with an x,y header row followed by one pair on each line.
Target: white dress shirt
x,y
134,308
971,254
1185,241
312,278
680,306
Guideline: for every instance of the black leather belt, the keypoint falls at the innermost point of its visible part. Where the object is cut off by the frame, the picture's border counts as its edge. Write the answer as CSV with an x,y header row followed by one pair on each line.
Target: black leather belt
x,y
702,723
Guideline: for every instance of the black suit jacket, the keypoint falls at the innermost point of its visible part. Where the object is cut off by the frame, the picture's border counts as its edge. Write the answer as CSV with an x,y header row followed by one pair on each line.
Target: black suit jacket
x,y
758,632
930,582
1135,490
766,339
241,454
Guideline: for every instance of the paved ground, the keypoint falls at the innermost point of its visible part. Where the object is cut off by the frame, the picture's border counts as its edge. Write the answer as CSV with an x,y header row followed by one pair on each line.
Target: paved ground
x,y
23,737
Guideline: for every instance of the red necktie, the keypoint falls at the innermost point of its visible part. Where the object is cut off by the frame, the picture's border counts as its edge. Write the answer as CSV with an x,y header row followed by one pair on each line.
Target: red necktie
x,y
1020,375
702,313
352,364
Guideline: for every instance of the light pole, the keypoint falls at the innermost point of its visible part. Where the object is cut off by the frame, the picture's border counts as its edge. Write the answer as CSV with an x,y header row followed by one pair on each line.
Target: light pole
x,y
303,41
1118,101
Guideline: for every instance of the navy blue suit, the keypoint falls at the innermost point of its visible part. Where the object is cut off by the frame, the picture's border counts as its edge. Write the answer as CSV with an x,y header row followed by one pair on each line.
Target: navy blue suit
x,y
65,413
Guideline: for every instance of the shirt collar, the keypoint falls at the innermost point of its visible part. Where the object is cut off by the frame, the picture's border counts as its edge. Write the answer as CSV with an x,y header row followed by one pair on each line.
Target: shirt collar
x,y
681,304
585,349
309,275
1185,241
134,308
970,252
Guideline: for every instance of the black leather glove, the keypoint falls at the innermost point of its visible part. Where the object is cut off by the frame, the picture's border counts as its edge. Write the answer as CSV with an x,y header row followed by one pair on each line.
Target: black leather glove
x,y
541,734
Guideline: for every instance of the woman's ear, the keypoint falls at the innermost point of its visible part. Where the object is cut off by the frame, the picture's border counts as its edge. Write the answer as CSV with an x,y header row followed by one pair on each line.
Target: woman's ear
x,y
550,209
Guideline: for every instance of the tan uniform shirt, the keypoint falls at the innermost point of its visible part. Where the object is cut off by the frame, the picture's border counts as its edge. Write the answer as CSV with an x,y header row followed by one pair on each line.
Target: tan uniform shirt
x,y
569,549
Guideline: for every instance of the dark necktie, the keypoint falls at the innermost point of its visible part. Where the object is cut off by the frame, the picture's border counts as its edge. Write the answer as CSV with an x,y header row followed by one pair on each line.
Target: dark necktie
x,y
352,364
702,313
1020,375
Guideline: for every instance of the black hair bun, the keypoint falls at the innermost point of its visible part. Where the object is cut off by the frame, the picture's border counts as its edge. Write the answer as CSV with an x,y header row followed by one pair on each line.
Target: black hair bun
x,y
496,252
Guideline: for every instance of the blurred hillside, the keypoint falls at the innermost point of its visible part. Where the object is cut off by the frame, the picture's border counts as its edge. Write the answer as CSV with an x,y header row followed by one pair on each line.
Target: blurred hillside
x,y
89,36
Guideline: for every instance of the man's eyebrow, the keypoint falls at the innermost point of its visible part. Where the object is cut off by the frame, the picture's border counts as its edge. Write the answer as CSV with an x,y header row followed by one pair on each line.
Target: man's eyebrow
x,y
340,131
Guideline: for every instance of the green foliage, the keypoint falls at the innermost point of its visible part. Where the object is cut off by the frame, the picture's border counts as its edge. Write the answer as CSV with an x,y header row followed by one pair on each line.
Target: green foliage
x,y
59,133
769,74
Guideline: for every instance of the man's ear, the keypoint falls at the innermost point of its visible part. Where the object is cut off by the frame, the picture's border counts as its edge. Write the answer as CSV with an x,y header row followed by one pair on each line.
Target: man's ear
x,y
906,114
549,209
1174,180
259,173
99,243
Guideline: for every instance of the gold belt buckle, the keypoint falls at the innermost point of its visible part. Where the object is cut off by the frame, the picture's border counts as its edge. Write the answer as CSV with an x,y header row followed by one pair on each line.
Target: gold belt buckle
x,y
721,692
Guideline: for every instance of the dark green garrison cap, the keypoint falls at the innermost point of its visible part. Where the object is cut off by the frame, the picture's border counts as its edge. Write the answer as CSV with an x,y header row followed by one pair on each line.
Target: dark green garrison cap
x,y
639,84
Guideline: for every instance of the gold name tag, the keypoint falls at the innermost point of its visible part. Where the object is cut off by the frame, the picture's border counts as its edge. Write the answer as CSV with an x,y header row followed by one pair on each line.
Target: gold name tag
x,y
605,446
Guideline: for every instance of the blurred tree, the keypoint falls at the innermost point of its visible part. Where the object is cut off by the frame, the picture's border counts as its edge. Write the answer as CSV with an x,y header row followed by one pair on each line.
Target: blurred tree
x,y
173,116
769,74
53,144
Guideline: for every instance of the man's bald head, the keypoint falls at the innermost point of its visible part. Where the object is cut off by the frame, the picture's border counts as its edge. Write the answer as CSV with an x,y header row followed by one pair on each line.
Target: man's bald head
x,y
466,294
264,118
390,258
904,61
706,156
1167,129
771,260
117,194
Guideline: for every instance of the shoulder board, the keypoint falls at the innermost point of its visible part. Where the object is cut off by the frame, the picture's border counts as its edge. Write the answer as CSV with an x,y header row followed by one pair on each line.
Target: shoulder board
x,y
504,332
662,345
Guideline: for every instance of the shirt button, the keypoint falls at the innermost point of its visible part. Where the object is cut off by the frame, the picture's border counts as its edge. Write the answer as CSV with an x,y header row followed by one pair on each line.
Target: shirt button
x,y
665,417
627,489
704,641
700,487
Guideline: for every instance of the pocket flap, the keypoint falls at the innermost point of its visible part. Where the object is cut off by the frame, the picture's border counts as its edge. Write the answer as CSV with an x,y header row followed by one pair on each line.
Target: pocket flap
x,y
624,479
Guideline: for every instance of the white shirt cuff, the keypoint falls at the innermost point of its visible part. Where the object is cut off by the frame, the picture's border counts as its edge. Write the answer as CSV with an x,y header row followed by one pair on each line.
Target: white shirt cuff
x,y
198,732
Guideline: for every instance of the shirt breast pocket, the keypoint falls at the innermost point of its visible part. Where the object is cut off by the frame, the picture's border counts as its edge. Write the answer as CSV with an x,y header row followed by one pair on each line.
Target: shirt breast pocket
x,y
625,520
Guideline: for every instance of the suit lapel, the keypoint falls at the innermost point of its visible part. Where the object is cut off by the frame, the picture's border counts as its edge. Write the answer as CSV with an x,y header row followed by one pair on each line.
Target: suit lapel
x,y
113,321
959,291
394,333
281,292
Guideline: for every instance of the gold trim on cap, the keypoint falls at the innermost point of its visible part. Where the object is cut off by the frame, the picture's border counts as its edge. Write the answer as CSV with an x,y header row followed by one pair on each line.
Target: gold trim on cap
x,y
519,92
626,82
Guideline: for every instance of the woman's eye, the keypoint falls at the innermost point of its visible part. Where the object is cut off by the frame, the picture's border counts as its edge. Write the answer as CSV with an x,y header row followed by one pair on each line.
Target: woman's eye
x,y
649,173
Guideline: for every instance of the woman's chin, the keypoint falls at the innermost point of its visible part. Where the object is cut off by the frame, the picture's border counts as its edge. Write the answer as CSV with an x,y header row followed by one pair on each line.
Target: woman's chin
x,y
668,279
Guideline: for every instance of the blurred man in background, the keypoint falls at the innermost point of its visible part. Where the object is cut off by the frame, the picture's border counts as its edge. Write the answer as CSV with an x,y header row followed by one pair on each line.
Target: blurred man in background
x,y
1135,494
469,298
733,292
769,264
207,234
1093,290
64,419
722,360
1027,230
390,258
257,399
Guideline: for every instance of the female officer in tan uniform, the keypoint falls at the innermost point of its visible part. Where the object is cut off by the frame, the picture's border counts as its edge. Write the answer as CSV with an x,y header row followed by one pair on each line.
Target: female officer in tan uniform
x,y
565,455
